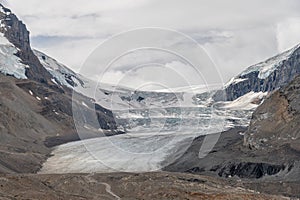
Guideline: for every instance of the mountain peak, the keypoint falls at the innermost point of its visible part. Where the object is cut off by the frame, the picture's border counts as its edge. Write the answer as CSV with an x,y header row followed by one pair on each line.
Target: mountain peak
x,y
16,35
265,76
268,66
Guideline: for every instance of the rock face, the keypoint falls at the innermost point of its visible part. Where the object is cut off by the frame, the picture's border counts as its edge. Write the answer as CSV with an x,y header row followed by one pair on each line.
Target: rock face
x,y
250,170
16,32
263,77
277,120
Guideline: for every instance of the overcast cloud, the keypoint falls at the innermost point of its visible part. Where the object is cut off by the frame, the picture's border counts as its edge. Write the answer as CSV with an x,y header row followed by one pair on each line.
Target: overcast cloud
x,y
235,33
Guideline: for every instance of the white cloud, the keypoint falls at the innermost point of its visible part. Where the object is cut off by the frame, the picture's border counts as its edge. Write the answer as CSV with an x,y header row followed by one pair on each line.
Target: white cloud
x,y
288,33
155,76
236,33
71,52
245,48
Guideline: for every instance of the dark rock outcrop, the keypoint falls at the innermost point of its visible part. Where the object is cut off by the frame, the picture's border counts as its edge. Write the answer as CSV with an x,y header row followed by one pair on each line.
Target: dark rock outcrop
x,y
250,170
16,32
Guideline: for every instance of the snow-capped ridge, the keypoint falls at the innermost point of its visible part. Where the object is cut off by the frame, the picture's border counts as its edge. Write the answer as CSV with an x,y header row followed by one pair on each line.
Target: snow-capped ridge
x,y
266,76
265,68
61,74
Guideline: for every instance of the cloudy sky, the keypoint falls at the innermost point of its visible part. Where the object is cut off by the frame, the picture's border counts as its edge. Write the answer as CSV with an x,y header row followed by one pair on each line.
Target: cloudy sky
x,y
234,33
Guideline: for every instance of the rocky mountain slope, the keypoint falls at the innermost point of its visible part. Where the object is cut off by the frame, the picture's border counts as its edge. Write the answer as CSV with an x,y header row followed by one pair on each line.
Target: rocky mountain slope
x,y
266,76
277,120
35,107
267,152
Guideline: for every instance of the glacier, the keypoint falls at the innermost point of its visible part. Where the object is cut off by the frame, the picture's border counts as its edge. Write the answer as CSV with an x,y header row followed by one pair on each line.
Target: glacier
x,y
10,64
155,134
159,125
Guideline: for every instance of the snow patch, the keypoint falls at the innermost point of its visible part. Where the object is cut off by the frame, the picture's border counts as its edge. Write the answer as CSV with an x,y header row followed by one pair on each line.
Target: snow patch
x,y
235,81
55,112
3,39
54,81
84,104
269,66
87,127
10,64
3,11
246,102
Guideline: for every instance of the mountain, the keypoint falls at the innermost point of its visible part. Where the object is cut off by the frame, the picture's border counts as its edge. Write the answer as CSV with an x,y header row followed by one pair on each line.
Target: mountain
x,y
260,156
36,102
266,76
267,151
39,98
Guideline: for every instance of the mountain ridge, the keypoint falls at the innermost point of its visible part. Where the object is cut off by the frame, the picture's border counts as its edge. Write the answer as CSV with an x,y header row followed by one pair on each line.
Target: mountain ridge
x,y
265,76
